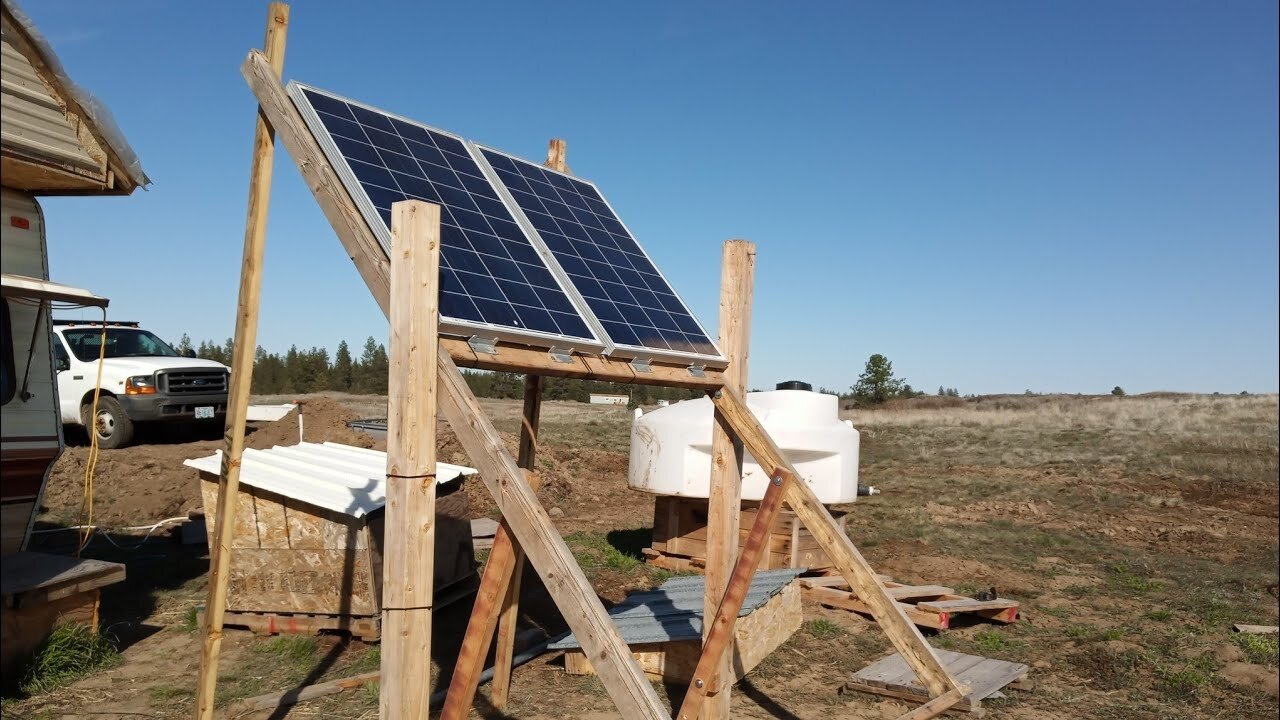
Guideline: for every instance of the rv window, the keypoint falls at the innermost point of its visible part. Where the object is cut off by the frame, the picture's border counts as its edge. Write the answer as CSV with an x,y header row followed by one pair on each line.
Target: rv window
x,y
8,379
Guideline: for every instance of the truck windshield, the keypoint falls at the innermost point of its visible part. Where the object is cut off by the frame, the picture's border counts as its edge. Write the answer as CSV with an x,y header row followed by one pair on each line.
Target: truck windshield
x,y
121,342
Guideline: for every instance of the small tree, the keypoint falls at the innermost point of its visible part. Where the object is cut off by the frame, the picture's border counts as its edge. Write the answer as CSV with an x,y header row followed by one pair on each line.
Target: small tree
x,y
1117,391
184,346
877,384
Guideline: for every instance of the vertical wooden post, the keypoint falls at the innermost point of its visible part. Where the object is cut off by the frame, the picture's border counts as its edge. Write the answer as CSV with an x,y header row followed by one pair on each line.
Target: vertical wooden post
x,y
408,565
505,643
245,344
725,498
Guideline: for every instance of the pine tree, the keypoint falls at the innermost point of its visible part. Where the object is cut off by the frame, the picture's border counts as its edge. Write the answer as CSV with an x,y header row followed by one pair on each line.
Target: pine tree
x,y
341,377
877,384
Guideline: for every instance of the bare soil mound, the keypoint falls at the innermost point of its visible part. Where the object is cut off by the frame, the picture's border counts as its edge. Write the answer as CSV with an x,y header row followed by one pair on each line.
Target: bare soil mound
x,y
146,483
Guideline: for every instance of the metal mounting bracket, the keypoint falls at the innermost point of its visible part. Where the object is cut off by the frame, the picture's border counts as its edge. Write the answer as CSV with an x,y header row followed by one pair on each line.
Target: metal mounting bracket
x,y
561,355
484,345
698,371
641,365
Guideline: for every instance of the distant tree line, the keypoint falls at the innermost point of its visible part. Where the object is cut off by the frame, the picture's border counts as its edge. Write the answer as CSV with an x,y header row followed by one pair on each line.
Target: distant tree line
x,y
304,371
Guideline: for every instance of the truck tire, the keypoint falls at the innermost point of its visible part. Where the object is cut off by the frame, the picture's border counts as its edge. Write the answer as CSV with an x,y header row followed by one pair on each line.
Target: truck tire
x,y
113,426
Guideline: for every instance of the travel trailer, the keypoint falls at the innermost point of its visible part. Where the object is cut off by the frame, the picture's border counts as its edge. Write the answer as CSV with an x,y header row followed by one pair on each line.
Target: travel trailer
x,y
55,139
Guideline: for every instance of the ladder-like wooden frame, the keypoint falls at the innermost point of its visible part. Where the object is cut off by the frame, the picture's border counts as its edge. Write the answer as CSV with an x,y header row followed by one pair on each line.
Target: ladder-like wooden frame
x,y
527,523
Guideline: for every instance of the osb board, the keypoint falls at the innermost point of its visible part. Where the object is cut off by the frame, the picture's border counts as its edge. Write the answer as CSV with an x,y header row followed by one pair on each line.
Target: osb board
x,y
23,629
271,521
335,582
756,635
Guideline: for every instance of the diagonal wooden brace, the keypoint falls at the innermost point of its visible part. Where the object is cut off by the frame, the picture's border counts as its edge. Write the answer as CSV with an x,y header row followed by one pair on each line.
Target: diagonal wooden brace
x,y
545,549
718,641
904,635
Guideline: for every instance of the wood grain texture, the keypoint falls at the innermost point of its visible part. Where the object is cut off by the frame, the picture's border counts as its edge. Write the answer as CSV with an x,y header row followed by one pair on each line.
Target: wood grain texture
x,y
484,619
245,345
707,678
904,635
408,569
737,275
505,643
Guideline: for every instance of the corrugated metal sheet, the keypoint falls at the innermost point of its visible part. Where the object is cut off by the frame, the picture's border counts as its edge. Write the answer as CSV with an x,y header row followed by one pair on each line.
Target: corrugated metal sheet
x,y
333,476
674,610
31,120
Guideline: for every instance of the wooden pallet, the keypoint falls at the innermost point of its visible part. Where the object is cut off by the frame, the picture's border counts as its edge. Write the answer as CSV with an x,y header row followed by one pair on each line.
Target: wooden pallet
x,y
930,606
366,627
892,677
680,537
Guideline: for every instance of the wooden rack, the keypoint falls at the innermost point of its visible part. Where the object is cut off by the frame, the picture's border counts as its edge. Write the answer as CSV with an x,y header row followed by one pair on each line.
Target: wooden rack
x,y
526,527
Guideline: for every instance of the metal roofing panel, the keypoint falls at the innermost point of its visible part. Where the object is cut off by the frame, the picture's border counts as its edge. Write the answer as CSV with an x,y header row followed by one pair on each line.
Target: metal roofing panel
x,y
337,477
674,610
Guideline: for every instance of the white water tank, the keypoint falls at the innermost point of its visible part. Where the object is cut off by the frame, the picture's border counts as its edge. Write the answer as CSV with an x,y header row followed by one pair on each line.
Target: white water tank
x,y
671,446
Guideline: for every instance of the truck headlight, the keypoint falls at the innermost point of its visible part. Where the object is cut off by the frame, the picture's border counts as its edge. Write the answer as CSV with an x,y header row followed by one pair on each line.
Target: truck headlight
x,y
140,385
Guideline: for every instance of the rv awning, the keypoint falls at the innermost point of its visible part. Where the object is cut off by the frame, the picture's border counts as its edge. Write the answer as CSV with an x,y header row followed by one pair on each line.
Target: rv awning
x,y
29,287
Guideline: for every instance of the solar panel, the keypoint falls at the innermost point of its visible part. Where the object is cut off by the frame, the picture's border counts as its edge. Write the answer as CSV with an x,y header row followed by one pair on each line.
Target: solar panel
x,y
494,280
635,305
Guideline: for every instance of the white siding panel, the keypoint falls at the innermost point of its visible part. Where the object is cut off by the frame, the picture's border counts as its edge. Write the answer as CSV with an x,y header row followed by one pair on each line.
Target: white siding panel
x,y
31,120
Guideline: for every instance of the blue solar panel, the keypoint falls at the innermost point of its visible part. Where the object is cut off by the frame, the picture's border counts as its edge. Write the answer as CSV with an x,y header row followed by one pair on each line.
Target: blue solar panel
x,y
491,274
633,302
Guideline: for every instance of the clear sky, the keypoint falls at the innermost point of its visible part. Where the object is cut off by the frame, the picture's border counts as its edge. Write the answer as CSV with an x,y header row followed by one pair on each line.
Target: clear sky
x,y
1055,196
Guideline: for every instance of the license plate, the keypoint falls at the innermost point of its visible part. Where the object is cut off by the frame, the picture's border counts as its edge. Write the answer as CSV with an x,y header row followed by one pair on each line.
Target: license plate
x,y
204,412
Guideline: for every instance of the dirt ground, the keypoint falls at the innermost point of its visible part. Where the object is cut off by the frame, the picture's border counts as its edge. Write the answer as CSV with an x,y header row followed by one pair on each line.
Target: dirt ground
x,y
1135,531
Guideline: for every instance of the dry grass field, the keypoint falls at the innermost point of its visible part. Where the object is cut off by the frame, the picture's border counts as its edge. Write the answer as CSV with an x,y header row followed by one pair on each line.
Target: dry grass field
x,y
1134,531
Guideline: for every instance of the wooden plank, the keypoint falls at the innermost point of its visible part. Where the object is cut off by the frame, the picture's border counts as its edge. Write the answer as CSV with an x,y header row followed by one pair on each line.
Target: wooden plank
x,y
1256,629
912,592
371,260
33,578
242,357
936,706
706,679
551,557
965,605
484,619
845,600
737,273
408,564
904,635
367,628
504,647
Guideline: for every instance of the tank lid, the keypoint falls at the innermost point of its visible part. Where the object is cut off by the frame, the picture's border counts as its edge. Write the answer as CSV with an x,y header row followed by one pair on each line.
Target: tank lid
x,y
794,385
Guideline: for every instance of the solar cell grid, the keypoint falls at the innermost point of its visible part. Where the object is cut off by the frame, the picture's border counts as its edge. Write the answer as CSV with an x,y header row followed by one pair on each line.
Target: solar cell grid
x,y
622,287
490,272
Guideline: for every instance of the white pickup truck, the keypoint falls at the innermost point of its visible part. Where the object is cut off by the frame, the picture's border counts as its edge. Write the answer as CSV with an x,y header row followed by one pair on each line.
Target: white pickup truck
x,y
144,380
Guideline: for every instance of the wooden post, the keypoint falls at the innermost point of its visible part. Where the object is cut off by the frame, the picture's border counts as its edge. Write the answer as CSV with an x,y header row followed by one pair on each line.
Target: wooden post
x,y
505,646
245,344
408,565
725,498
504,649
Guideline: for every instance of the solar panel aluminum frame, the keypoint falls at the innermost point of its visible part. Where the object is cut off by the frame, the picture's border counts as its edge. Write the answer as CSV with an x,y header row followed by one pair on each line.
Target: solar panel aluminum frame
x,y
614,349
448,325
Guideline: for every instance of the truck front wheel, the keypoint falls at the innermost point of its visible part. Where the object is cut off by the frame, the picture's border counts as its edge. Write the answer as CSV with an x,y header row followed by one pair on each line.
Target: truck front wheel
x,y
113,426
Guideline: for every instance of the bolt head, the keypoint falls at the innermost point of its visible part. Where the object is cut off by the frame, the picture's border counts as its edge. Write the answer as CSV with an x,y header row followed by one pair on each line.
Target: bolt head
x,y
719,394
698,683
777,479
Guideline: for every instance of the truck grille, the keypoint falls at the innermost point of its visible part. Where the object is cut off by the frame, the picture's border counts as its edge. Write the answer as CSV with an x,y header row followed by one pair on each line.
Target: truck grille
x,y
178,382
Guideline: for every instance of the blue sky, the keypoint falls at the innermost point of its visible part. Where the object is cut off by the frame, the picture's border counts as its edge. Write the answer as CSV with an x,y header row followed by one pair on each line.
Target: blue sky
x,y
998,196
